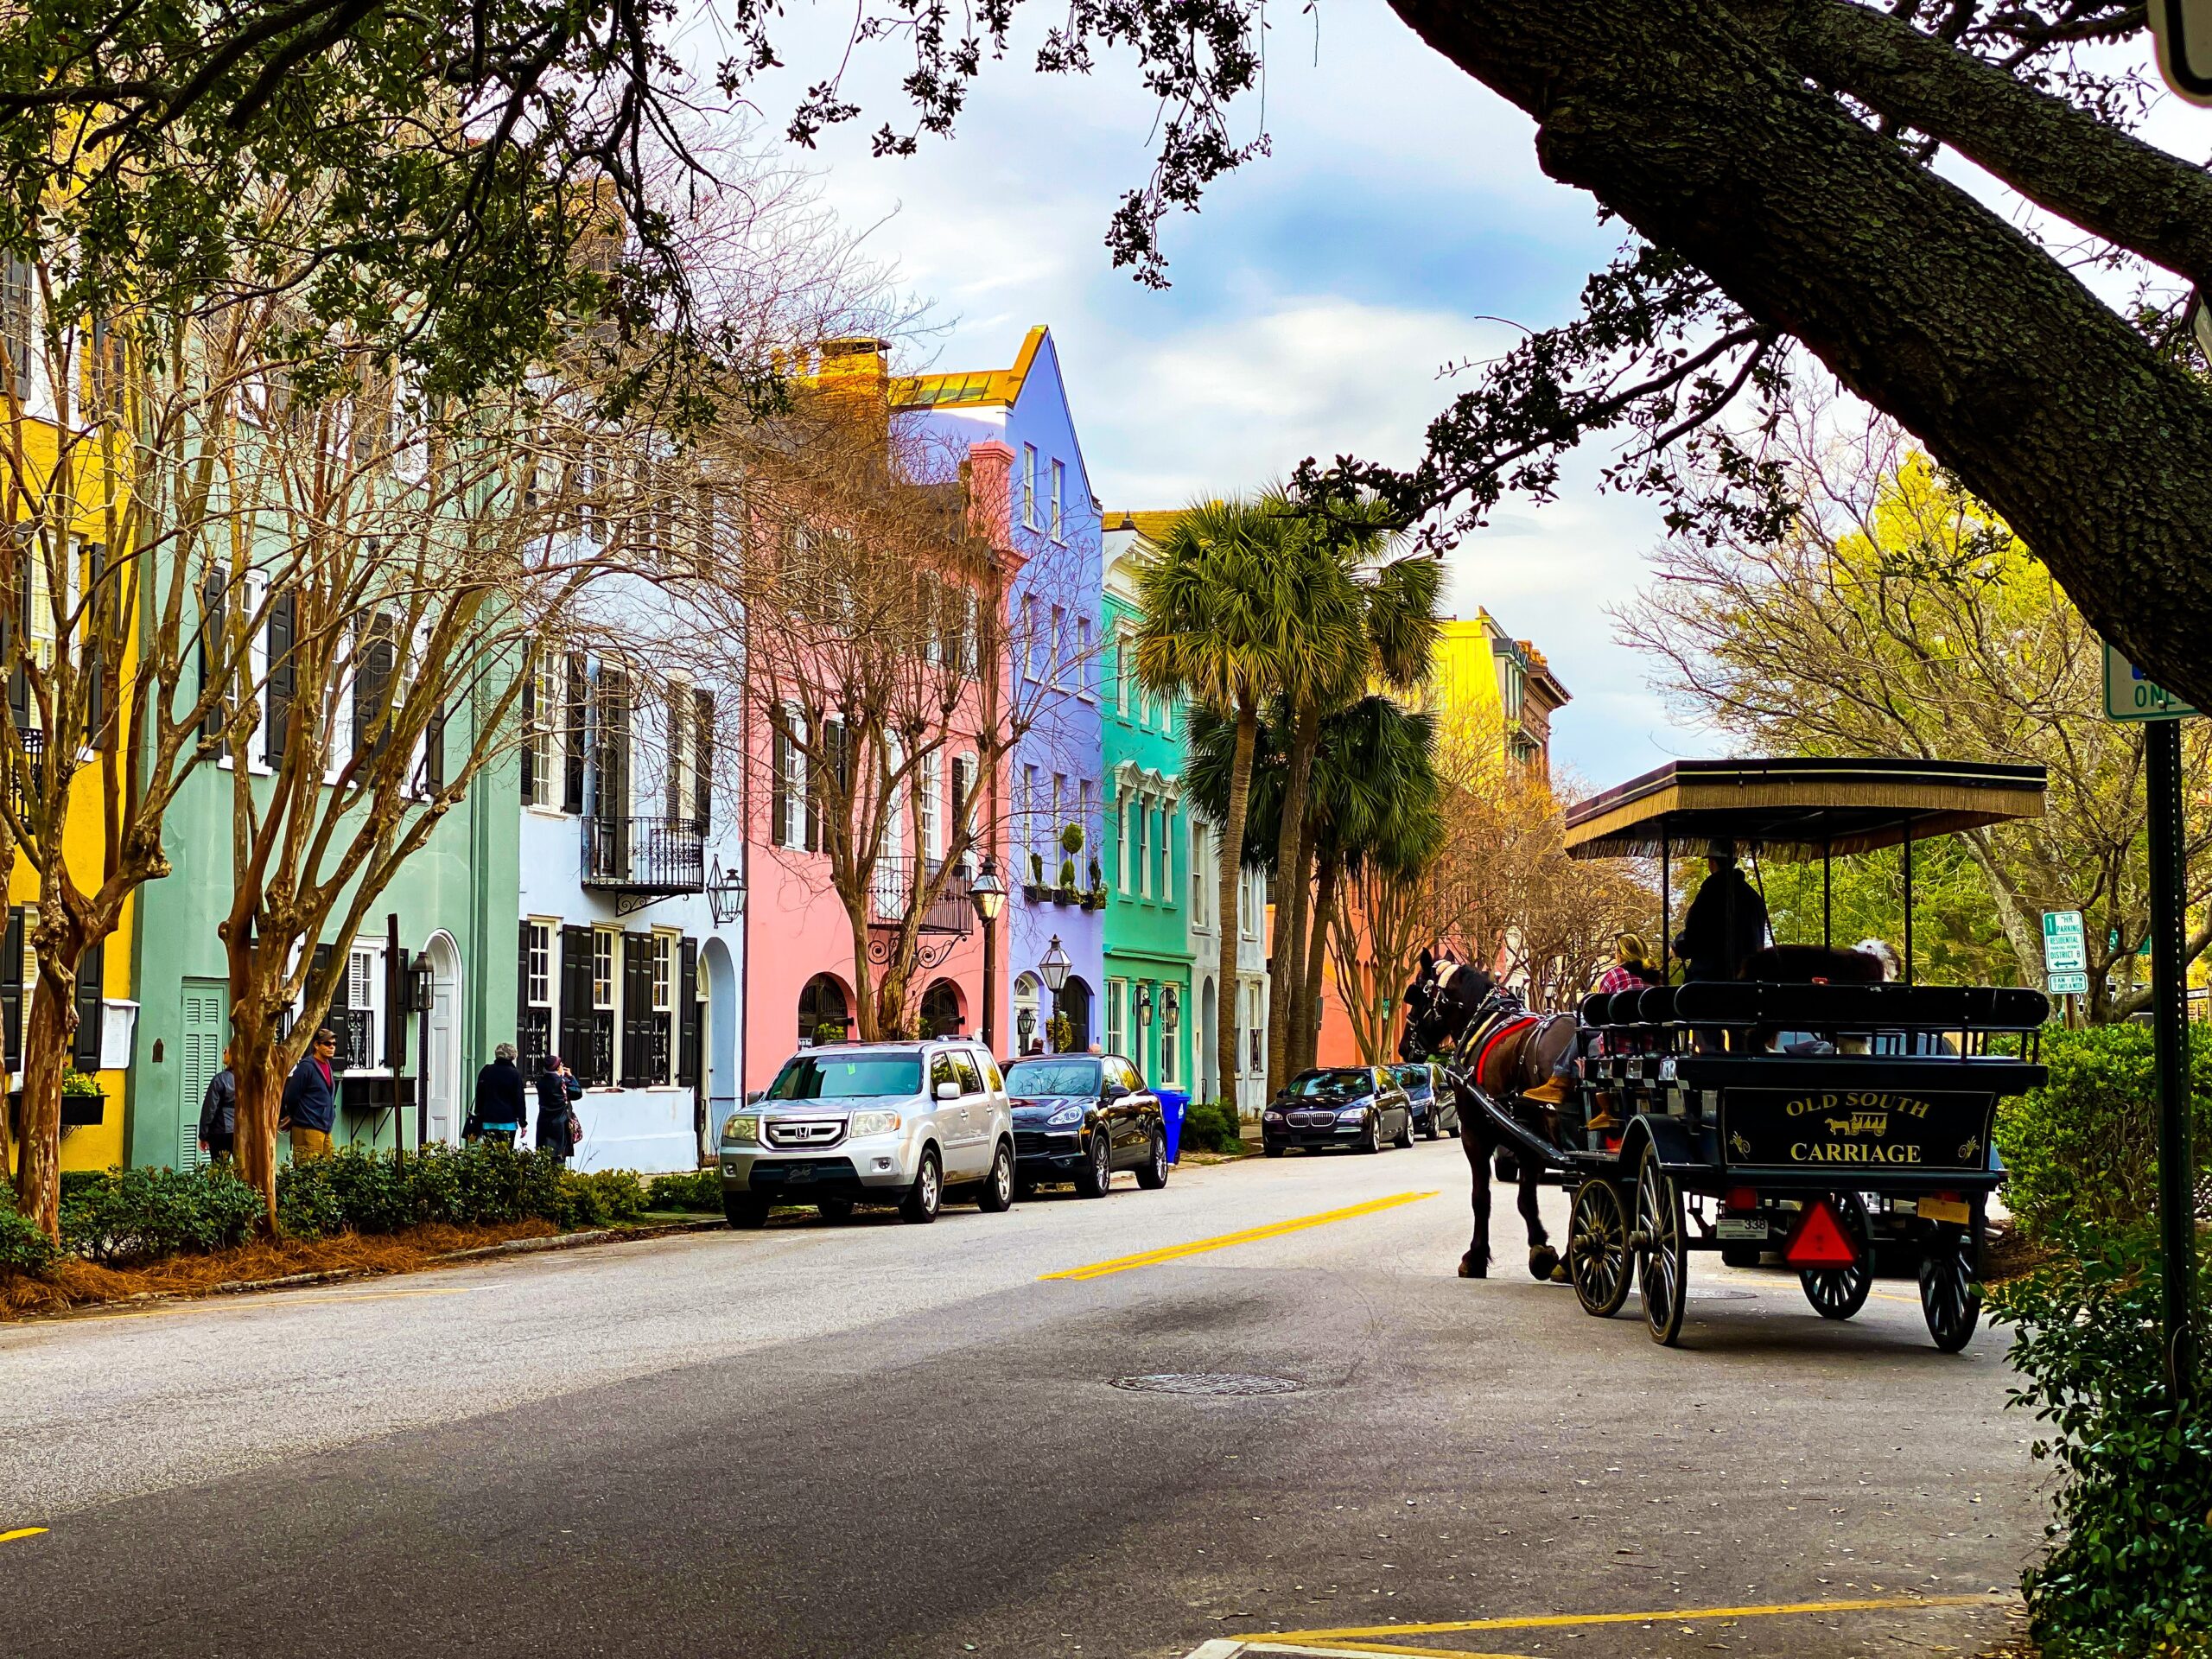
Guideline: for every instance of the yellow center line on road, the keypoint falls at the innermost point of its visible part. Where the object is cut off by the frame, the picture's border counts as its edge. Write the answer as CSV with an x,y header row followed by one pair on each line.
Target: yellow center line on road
x,y
1249,1236
1351,1636
22,1532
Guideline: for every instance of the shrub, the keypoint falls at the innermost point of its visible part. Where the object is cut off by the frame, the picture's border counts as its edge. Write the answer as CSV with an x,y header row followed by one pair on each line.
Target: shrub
x,y
23,1247
134,1215
2130,1572
1211,1126
2085,1147
602,1197
695,1189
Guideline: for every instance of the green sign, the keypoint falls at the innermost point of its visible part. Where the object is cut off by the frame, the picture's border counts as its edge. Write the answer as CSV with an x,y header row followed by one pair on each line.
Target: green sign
x,y
2065,945
2128,695
2069,984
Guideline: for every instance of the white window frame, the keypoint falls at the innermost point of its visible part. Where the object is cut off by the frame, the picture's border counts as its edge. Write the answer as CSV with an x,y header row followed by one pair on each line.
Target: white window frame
x,y
1026,812
1144,846
931,782
1029,486
1123,642
1121,843
791,834
1059,486
365,994
1056,657
1165,1072
667,964
1086,666
607,993
542,932
1117,1026
1166,849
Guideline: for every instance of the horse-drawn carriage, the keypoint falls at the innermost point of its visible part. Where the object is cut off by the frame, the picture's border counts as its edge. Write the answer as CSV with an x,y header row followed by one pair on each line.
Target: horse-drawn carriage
x,y
1790,1112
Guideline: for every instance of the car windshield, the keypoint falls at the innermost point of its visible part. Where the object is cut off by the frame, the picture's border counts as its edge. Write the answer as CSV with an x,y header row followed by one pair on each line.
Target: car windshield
x,y
1333,1085
817,1077
1413,1079
1038,1078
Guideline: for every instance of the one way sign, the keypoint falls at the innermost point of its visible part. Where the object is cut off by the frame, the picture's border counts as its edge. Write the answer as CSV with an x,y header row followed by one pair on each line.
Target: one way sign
x,y
2182,29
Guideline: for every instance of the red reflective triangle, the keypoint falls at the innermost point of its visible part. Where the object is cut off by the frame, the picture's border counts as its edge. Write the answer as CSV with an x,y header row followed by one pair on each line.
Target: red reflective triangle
x,y
1819,1241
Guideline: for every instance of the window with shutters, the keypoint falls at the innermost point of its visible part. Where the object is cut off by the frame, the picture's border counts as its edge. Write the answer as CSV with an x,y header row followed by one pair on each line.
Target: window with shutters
x,y
644,1029
18,324
665,948
282,675
539,976
678,781
603,943
1117,1000
702,760
789,803
534,1017
930,784
574,732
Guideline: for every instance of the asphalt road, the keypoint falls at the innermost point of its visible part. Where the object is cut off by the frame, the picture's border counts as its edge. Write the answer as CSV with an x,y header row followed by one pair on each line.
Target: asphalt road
x,y
879,1438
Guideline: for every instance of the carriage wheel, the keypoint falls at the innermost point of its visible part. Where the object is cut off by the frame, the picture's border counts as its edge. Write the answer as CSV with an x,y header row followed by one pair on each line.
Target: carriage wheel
x,y
1838,1293
1596,1248
1950,1295
1662,1261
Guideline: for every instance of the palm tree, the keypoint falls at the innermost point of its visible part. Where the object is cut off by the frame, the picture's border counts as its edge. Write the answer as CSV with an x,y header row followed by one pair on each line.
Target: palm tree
x,y
1350,617
1209,632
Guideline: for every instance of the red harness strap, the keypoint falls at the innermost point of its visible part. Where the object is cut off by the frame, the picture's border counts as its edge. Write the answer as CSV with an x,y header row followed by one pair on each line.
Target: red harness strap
x,y
1505,1028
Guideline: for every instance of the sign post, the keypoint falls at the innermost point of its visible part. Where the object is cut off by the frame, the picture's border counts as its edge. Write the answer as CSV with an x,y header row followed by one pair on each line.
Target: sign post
x,y
2065,953
2128,695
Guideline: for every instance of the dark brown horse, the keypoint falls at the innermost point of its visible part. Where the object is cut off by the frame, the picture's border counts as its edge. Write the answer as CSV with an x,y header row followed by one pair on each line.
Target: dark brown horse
x,y
1457,1014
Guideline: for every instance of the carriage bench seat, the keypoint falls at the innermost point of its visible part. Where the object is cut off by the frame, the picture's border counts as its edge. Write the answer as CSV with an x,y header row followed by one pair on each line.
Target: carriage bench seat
x,y
1860,1008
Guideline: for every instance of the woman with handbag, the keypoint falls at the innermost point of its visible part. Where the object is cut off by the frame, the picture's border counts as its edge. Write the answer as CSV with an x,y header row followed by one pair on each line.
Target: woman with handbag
x,y
559,1127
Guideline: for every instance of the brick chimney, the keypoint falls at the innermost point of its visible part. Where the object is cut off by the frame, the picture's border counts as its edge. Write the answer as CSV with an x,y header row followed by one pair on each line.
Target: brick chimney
x,y
989,472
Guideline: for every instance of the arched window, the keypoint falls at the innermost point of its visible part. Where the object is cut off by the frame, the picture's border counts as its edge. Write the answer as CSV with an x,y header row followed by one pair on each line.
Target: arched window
x,y
1029,1019
943,1010
825,1014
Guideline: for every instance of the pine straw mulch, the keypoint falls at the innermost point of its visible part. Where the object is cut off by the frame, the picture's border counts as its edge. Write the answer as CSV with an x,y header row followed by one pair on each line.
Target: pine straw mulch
x,y
2010,1253
86,1284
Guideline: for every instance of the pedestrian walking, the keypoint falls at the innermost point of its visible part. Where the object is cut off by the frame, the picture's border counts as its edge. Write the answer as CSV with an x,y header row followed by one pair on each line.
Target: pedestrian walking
x,y
309,1108
219,1114
558,1091
501,1107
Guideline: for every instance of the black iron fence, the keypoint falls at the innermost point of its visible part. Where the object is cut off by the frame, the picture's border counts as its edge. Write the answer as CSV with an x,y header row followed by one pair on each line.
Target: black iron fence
x,y
897,882
645,855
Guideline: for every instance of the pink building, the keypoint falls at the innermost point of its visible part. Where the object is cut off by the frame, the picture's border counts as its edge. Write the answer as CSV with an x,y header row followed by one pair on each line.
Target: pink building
x,y
801,984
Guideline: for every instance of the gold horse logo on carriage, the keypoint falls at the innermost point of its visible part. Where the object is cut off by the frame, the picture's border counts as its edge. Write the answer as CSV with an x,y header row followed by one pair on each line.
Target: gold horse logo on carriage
x,y
1859,1123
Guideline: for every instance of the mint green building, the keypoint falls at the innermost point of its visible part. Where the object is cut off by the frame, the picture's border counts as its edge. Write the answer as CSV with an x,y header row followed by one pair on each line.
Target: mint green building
x,y
456,903
1150,1014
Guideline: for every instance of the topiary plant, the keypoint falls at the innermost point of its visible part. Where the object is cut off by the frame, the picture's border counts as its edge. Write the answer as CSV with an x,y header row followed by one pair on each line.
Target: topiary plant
x,y
1071,839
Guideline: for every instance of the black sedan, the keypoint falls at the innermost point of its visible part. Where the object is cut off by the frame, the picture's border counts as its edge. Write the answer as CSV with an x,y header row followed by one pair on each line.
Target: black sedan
x,y
1436,1108
1359,1107
1079,1117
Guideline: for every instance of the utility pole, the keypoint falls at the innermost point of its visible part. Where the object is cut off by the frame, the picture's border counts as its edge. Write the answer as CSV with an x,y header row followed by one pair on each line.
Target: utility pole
x,y
2170,1026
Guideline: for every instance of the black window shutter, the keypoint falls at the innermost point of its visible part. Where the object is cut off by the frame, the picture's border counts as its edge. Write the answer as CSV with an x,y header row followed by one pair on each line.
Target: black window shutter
x,y
372,688
779,791
341,1000
702,760
572,782
529,729
687,1015
576,1021
434,750
614,744
521,979
11,987
100,614
211,651
284,675
679,718
637,1014
84,1051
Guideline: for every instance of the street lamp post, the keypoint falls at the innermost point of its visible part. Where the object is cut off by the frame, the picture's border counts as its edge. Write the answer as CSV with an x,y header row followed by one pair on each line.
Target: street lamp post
x,y
987,893
1055,968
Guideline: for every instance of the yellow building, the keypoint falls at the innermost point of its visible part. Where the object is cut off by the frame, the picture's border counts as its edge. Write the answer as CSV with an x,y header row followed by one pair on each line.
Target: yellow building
x,y
1484,681
32,453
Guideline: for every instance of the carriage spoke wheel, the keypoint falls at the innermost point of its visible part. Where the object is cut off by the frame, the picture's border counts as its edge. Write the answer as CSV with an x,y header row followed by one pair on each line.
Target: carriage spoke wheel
x,y
1838,1293
1596,1248
1950,1295
1662,1261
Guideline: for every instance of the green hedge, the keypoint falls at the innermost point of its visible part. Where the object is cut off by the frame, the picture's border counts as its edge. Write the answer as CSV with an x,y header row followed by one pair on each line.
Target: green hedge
x,y
2083,1149
123,1215
695,1189
1211,1126
23,1247
2130,1572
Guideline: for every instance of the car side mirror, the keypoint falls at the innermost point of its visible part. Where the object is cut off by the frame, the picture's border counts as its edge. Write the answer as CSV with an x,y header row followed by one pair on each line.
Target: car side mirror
x,y
948,1091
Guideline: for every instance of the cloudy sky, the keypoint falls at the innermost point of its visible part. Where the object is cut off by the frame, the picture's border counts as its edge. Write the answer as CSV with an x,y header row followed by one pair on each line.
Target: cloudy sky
x,y
1402,224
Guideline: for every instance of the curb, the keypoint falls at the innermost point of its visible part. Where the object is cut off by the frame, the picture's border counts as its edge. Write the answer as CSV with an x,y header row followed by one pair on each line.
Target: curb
x,y
562,1241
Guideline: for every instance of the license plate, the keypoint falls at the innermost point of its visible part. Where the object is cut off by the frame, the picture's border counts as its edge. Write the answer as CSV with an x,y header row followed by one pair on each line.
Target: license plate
x,y
1944,1209
1742,1227
797,1177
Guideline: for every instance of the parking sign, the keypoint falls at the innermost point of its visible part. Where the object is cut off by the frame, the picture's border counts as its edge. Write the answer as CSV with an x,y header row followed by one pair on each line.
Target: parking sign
x,y
2065,943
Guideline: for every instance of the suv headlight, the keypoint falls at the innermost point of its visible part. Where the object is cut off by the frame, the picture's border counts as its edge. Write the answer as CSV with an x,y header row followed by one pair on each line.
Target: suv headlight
x,y
863,1124
743,1129
1072,1113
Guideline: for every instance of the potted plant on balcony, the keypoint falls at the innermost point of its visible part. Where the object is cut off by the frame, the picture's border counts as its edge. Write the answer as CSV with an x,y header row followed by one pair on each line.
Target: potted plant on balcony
x,y
83,1100
1094,896
1070,844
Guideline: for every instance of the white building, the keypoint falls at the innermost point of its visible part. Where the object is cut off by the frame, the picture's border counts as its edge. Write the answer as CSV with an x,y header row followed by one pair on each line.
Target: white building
x,y
1248,1004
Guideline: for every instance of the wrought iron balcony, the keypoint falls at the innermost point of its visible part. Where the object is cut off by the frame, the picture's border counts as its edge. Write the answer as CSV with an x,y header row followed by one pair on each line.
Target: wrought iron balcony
x,y
651,856
945,920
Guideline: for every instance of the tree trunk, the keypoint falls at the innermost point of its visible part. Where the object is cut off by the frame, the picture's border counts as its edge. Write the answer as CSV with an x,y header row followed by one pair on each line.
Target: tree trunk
x,y
1306,1021
258,1068
46,1051
1292,856
1232,846
1923,301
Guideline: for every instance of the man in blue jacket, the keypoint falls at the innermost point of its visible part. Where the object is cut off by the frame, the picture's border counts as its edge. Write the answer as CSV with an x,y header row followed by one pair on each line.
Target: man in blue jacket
x,y
310,1105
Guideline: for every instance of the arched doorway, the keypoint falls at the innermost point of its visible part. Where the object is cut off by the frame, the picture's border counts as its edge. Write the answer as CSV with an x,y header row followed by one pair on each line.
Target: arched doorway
x,y
1075,1007
1028,1013
725,1086
441,1059
1209,1056
944,1011
824,1011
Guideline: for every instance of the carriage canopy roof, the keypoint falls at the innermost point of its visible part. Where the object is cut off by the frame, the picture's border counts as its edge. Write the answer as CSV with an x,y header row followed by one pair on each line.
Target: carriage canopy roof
x,y
1798,808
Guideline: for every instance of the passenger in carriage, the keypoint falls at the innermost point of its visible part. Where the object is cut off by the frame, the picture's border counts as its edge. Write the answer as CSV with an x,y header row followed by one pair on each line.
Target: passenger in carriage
x,y
1631,968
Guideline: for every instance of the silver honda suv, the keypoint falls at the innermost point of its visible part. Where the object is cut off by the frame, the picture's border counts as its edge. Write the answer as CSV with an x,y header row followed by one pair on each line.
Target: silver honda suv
x,y
901,1123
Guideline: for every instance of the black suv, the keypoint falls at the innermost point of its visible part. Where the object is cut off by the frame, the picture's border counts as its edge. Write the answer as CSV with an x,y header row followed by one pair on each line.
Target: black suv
x,y
1079,1117
1357,1106
1436,1108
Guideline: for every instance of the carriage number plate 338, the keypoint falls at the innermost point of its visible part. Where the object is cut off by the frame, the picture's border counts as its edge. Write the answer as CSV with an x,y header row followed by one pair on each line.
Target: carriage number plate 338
x,y
1741,1227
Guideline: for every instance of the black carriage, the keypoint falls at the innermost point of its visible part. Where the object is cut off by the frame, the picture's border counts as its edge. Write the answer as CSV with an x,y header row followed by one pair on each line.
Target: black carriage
x,y
1822,1120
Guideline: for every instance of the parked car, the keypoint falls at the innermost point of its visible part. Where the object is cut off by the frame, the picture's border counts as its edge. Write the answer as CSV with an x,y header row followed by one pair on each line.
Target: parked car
x,y
1436,1108
1079,1117
890,1123
1356,1106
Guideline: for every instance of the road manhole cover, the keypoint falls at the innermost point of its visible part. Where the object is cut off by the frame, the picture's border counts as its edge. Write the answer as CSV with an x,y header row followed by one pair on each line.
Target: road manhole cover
x,y
1238,1384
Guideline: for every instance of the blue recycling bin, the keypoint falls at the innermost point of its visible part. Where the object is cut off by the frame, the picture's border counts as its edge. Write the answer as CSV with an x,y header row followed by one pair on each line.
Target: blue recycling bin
x,y
1173,1103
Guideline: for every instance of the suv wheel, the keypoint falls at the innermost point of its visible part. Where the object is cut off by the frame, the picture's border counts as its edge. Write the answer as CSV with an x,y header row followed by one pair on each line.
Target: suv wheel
x,y
923,1198
748,1210
997,1195
1097,1176
1151,1175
